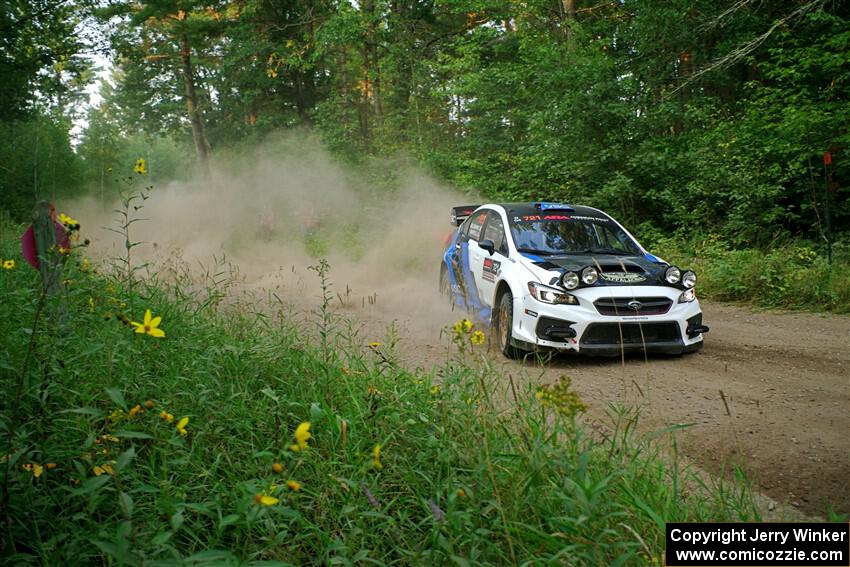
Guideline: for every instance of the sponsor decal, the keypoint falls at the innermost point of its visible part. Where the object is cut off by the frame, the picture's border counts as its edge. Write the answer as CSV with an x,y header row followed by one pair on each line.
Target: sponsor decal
x,y
530,312
491,269
594,219
554,217
622,277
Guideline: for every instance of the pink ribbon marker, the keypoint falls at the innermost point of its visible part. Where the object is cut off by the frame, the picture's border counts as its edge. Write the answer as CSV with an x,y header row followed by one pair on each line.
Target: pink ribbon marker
x,y
28,243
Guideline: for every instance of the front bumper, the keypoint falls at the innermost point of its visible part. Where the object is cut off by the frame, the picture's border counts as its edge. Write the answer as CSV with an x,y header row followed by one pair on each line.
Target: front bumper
x,y
593,327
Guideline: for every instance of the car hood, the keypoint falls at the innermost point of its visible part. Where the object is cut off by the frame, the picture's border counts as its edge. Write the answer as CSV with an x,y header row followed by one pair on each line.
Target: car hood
x,y
614,269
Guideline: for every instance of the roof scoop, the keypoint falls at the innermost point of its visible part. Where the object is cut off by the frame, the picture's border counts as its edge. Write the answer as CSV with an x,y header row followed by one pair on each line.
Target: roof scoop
x,y
543,206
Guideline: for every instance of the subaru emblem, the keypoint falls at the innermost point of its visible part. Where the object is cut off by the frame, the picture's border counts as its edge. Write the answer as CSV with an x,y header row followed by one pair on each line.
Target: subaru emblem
x,y
634,305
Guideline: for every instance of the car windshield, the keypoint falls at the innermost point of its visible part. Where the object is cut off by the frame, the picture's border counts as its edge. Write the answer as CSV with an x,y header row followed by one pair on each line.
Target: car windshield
x,y
553,234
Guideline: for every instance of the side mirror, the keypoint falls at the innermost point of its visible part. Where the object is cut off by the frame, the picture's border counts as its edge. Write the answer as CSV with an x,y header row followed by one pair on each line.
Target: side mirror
x,y
487,245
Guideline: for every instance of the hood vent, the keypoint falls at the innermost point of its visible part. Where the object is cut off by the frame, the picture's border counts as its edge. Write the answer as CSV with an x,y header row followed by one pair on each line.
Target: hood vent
x,y
629,267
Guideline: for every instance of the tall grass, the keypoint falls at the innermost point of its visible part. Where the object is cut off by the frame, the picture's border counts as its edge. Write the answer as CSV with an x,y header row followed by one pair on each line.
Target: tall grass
x,y
461,476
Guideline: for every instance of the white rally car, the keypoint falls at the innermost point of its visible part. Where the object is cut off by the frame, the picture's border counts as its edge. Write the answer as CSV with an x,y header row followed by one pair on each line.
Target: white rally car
x,y
550,276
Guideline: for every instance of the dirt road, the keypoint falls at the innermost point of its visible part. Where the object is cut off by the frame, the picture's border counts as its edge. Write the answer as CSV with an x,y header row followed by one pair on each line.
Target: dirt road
x,y
785,378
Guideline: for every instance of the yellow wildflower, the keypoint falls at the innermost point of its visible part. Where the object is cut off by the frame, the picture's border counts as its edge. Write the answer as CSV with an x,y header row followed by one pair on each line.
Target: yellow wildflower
x,y
9,265
302,434
149,404
49,466
111,438
34,468
293,485
116,415
477,338
149,326
166,416
277,468
181,426
462,326
266,500
374,344
376,457
64,251
134,411
435,390
461,492
105,468
139,167
560,397
69,223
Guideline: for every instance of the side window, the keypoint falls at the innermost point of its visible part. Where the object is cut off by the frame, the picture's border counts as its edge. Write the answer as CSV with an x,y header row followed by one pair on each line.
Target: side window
x,y
464,229
495,231
476,224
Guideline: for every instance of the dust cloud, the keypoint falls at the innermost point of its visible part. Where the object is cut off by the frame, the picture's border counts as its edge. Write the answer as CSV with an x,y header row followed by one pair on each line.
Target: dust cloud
x,y
276,211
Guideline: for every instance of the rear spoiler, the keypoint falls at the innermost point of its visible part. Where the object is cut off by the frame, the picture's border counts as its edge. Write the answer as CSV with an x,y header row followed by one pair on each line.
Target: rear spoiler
x,y
460,214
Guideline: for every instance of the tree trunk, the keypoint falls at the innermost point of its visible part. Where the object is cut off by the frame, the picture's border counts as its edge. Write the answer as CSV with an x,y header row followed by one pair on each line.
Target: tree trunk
x,y
373,68
195,118
569,8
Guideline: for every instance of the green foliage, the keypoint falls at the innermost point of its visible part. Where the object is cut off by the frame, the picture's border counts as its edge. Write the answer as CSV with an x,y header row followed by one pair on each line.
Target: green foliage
x,y
454,480
40,62
685,118
674,113
37,163
791,276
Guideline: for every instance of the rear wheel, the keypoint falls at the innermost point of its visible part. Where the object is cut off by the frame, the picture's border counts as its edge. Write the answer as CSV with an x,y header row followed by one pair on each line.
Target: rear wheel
x,y
504,324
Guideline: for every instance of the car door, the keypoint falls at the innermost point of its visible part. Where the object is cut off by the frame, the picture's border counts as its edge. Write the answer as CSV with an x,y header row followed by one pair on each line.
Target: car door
x,y
471,259
488,266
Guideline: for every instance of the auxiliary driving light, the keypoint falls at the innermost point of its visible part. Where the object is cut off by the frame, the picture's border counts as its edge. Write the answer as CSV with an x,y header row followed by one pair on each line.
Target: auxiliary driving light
x,y
570,280
672,275
589,275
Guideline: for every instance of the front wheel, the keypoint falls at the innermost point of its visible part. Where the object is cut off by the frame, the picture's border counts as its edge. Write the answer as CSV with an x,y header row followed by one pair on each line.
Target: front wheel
x,y
504,324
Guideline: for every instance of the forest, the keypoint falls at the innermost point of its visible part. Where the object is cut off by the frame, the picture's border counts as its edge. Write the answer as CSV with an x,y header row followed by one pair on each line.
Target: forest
x,y
200,386
685,118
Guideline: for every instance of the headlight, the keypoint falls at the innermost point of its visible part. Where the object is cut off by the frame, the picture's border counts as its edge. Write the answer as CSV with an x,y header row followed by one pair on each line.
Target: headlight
x,y
551,295
672,275
687,296
569,280
689,279
589,275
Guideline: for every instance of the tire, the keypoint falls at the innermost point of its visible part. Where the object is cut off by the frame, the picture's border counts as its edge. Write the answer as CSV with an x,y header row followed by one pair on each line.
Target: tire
x,y
503,325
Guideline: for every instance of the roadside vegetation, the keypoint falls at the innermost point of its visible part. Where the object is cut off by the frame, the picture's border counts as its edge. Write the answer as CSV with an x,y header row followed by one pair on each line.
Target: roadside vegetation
x,y
793,275
153,419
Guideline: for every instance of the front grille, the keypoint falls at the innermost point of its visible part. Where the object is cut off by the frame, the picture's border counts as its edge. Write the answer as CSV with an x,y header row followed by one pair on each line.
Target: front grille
x,y
620,305
630,333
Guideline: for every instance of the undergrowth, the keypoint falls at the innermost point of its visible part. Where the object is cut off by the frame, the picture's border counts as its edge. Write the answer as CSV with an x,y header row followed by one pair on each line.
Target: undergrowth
x,y
794,275
119,447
